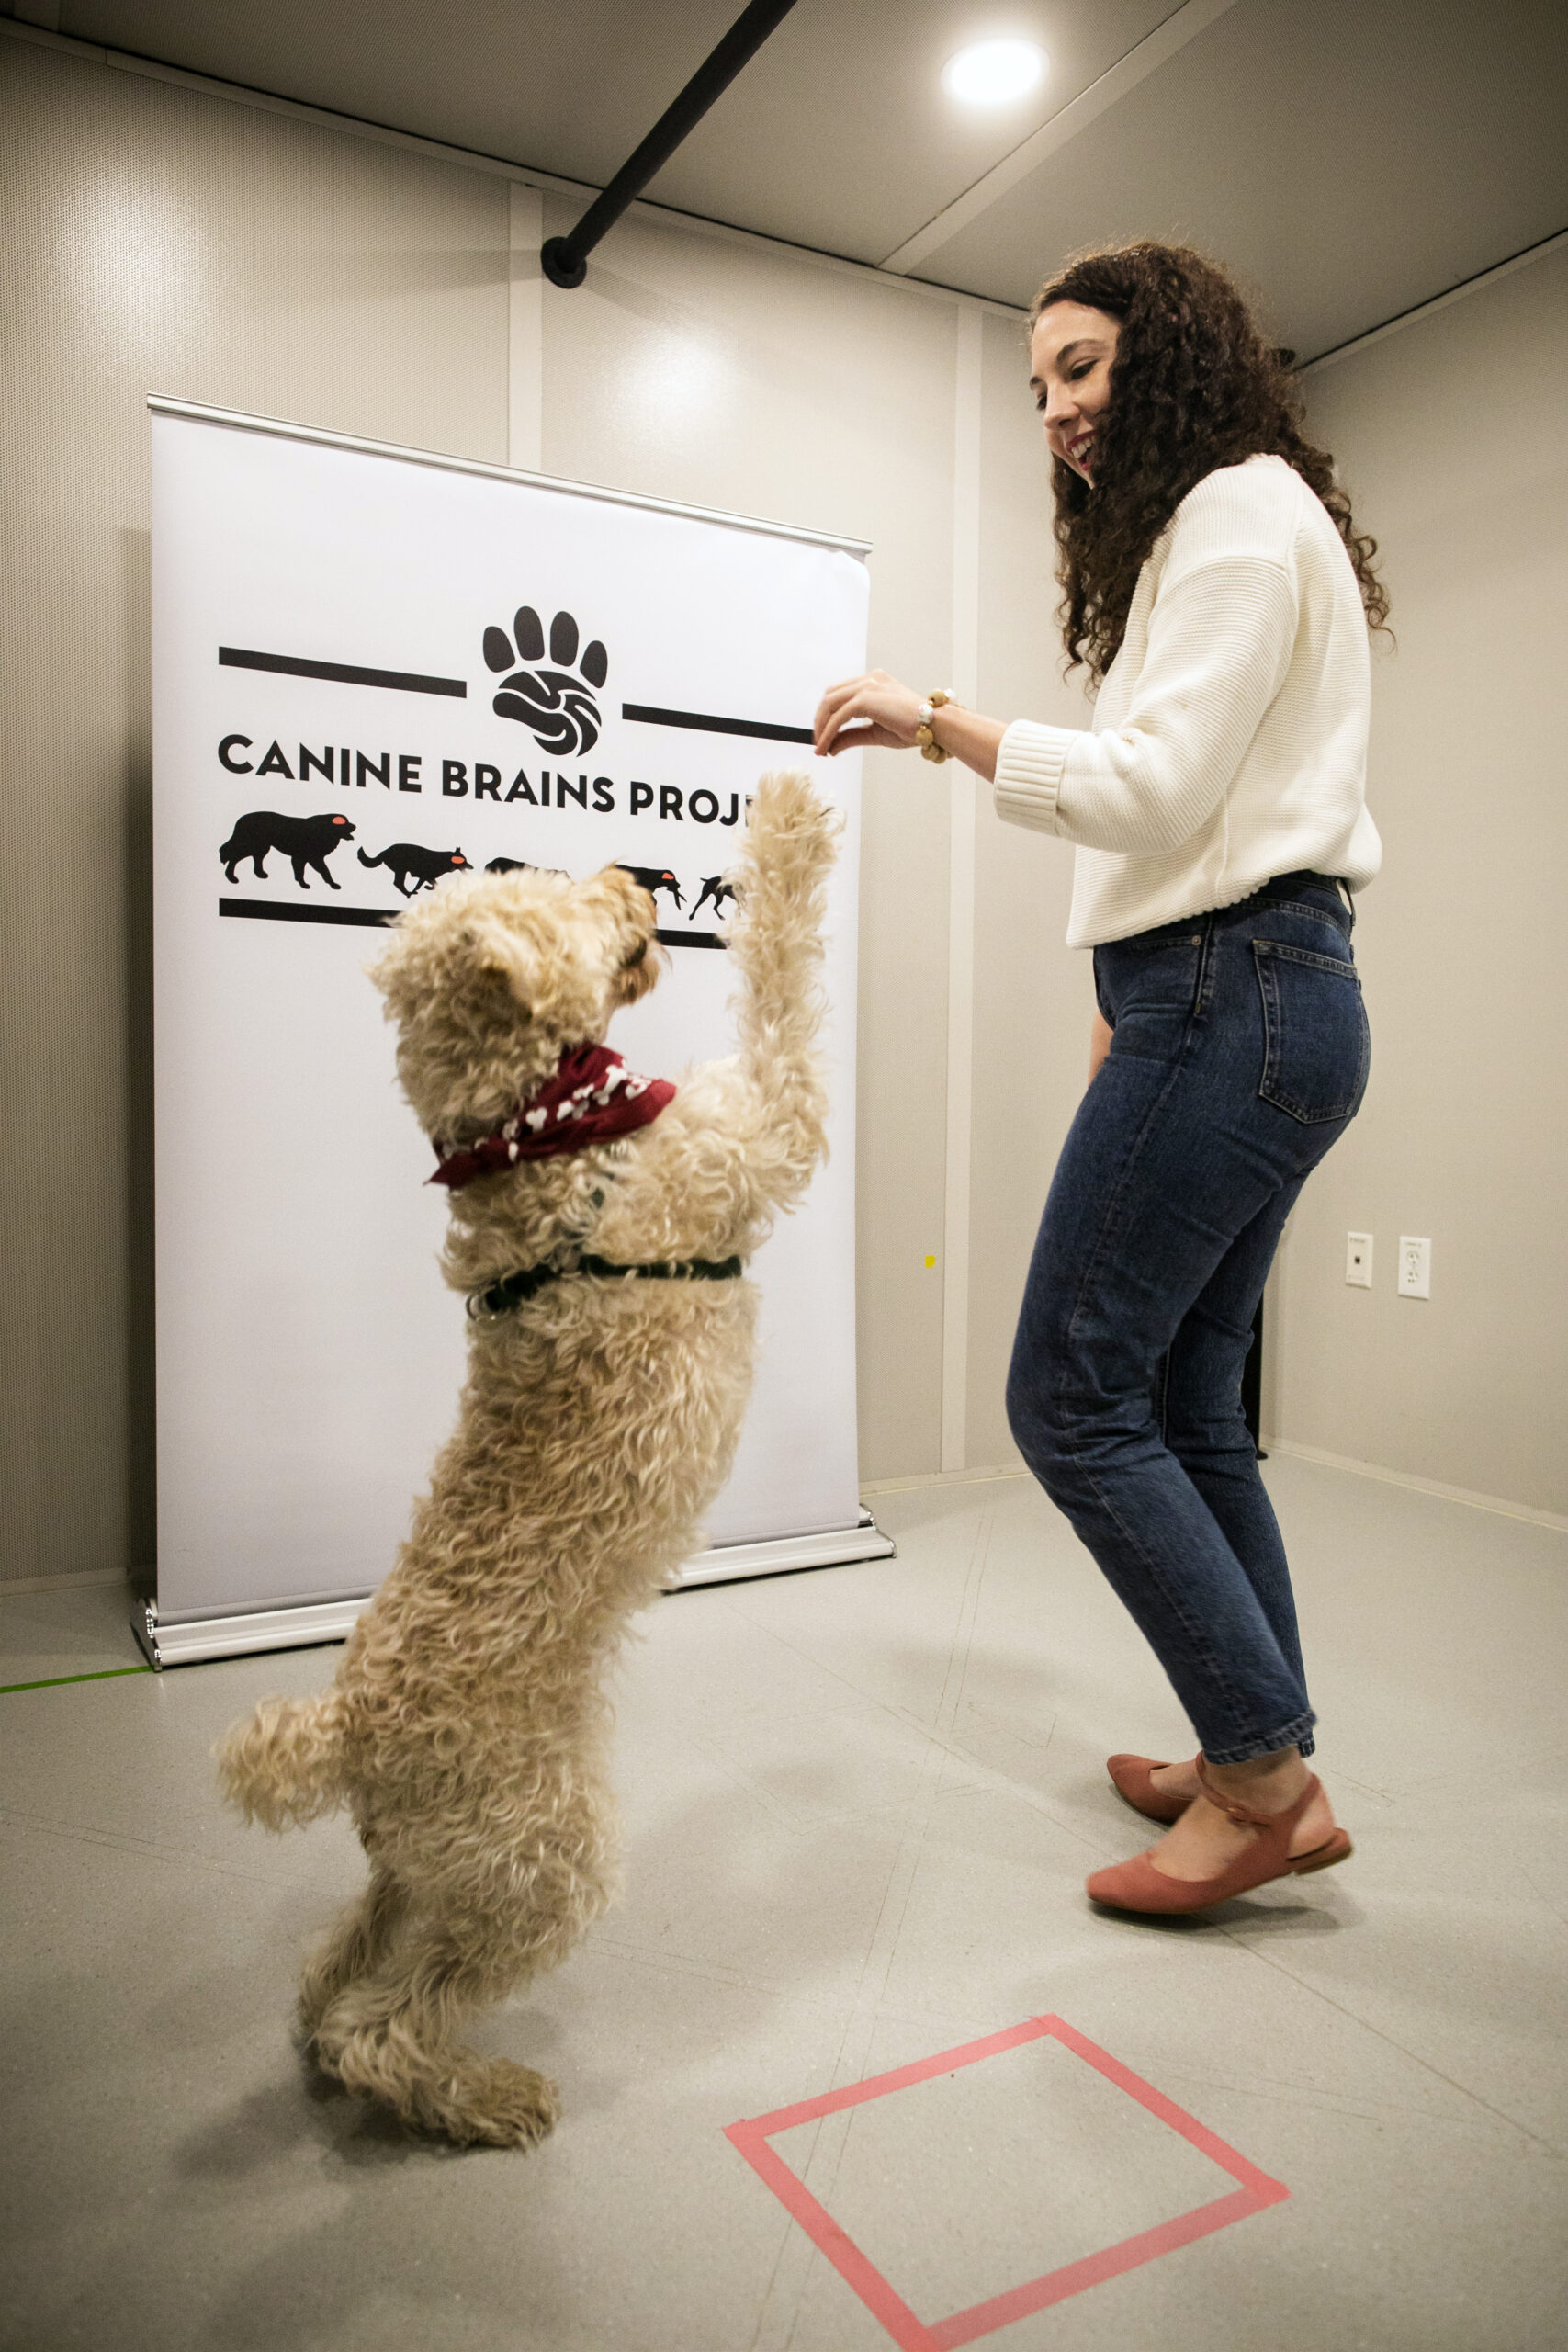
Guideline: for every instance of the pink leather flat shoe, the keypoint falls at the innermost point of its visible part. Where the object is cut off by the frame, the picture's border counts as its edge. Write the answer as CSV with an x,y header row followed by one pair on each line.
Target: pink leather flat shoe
x,y
1137,1886
1130,1777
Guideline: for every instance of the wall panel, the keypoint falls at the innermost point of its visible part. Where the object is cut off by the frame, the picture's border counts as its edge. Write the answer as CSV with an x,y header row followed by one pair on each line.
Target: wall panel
x,y
155,240
1450,436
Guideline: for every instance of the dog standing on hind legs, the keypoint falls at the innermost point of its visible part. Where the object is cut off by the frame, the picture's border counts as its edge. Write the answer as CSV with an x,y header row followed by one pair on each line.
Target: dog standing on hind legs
x,y
599,1226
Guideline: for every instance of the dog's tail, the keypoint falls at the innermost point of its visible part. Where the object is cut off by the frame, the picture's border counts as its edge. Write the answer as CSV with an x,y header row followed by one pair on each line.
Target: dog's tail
x,y
372,861
283,1765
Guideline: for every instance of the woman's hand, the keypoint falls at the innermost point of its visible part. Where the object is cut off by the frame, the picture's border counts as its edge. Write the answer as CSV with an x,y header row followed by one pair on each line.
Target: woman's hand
x,y
877,710
861,712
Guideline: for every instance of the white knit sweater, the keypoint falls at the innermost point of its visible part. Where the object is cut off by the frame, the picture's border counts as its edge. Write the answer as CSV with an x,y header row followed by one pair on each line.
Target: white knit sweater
x,y
1230,742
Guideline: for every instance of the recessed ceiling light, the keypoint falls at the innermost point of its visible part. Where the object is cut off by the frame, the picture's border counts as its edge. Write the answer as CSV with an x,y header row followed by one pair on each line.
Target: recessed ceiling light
x,y
994,71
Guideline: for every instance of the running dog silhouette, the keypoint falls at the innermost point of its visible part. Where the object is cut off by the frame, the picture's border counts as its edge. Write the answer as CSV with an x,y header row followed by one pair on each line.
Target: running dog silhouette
x,y
654,878
303,840
599,1225
428,865
716,888
521,866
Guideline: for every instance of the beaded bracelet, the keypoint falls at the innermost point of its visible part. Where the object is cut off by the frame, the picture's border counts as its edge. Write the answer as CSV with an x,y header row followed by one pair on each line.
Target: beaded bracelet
x,y
930,748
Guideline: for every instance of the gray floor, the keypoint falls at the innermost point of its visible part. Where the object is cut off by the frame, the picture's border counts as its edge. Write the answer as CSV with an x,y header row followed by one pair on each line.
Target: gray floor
x,y
860,1806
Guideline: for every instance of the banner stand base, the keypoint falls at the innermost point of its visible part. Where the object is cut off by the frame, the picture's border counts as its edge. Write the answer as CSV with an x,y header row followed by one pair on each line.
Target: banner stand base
x,y
780,1554
191,1641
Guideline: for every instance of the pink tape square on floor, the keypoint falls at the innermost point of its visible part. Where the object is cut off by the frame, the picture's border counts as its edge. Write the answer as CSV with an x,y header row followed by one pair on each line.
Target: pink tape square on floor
x,y
1254,2191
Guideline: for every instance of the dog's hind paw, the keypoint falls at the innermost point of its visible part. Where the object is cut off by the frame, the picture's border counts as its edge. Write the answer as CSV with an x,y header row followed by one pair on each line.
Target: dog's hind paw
x,y
318,1988
491,2101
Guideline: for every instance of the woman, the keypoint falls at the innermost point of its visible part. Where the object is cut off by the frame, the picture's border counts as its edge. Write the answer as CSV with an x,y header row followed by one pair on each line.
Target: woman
x,y
1216,588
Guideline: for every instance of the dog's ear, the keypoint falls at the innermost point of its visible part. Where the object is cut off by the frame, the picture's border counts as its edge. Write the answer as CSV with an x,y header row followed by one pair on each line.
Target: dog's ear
x,y
391,970
617,886
425,957
498,958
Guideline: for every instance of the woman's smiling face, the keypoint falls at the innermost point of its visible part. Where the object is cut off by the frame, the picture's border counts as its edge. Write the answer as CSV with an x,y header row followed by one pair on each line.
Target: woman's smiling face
x,y
1070,354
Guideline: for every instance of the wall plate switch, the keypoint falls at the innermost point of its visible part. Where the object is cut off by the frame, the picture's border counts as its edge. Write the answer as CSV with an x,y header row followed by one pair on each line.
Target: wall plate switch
x,y
1414,1267
1358,1261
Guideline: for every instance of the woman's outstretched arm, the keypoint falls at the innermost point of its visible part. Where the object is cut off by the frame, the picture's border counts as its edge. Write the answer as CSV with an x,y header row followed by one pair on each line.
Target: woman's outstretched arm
x,y
878,711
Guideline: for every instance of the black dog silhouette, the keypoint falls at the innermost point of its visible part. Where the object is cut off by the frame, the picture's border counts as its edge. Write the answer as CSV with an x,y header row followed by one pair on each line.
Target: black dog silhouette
x,y
554,704
654,878
521,866
303,840
428,865
716,888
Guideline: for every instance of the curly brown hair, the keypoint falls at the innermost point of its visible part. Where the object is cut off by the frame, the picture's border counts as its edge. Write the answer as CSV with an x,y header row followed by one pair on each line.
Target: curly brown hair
x,y
1193,385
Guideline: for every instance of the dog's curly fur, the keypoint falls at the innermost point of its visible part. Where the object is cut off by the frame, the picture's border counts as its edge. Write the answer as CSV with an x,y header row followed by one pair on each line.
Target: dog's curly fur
x,y
466,1729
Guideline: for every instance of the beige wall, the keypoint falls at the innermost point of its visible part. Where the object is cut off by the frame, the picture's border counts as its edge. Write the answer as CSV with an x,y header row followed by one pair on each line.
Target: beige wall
x,y
160,238
1451,435
155,240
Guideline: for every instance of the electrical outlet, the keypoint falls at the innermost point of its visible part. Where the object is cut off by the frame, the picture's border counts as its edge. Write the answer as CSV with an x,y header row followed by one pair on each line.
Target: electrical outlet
x,y
1358,1261
1414,1267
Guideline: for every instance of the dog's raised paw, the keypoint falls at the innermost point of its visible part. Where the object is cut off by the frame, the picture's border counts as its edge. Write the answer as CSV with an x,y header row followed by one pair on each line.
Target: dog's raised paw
x,y
556,703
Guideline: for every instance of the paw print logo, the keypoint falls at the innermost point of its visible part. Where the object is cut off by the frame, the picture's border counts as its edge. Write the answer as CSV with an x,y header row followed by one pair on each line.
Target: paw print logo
x,y
556,705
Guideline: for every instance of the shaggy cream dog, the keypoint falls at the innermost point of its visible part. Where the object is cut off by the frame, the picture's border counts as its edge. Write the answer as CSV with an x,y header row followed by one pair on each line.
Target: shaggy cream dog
x,y
467,1727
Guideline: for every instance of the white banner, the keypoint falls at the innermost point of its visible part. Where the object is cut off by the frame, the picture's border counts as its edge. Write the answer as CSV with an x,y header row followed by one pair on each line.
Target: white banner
x,y
372,668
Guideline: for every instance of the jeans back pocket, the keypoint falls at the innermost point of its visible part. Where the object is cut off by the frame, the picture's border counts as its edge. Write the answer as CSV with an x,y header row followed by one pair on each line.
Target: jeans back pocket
x,y
1316,1043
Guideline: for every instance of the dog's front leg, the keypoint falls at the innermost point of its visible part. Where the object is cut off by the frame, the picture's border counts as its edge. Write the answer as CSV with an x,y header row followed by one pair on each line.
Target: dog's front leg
x,y
777,944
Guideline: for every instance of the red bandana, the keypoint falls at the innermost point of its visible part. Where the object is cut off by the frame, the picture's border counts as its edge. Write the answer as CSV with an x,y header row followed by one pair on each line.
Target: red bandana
x,y
592,1099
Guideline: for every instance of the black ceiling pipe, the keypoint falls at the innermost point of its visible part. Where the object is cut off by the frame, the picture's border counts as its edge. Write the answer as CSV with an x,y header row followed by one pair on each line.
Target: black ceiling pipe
x,y
565,259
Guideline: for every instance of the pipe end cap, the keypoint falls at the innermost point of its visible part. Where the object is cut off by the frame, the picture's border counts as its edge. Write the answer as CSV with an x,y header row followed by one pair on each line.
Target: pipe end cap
x,y
560,264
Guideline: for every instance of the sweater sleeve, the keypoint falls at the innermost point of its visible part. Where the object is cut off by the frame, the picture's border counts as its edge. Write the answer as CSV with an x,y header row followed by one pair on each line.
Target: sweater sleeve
x,y
1220,642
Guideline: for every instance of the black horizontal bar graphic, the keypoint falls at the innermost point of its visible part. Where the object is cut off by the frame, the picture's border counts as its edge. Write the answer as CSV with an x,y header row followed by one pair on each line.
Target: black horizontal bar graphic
x,y
343,673
278,911
286,910
652,716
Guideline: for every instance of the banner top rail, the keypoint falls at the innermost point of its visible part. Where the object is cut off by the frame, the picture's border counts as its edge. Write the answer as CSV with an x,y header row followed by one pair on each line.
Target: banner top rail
x,y
237,420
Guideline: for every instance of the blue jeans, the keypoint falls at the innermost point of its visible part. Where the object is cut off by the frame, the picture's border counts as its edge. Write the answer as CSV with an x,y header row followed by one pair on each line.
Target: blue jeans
x,y
1239,1055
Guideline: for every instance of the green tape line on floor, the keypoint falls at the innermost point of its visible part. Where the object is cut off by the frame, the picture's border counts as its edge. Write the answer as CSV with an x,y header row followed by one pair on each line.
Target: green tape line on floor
x,y
53,1682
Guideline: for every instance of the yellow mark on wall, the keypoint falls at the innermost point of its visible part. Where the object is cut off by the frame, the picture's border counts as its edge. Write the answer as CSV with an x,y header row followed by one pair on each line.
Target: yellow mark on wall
x,y
931,1261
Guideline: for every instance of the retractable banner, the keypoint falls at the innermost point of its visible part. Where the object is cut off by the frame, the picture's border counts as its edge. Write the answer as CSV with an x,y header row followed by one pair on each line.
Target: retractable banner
x,y
373,668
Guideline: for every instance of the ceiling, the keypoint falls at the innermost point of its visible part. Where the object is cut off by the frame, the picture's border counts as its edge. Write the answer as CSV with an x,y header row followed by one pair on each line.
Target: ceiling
x,y
1351,158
